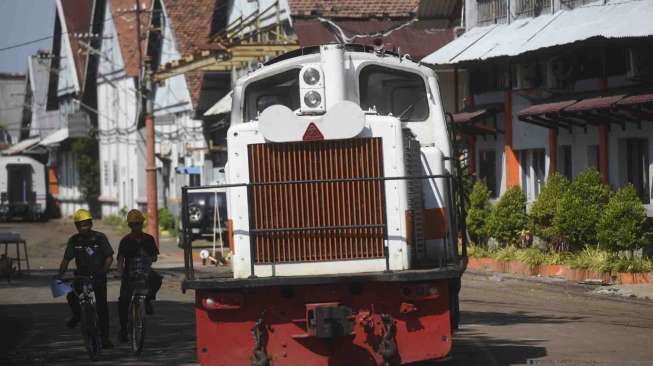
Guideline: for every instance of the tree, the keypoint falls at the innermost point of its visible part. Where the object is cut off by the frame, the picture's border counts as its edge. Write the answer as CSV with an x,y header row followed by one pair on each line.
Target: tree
x,y
86,154
580,208
622,225
508,218
543,210
478,213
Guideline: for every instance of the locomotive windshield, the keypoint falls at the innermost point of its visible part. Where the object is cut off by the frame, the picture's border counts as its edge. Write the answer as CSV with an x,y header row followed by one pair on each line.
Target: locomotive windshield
x,y
282,88
393,91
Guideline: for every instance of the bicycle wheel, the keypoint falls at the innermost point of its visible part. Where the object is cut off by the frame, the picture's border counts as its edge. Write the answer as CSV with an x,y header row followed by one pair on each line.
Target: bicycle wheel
x,y
90,331
137,323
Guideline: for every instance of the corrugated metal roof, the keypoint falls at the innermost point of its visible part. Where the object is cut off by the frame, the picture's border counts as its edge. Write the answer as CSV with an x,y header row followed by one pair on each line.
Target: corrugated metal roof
x,y
594,103
614,19
21,146
545,108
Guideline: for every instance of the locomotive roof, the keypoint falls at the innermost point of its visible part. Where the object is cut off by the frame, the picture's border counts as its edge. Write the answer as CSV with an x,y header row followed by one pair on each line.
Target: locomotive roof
x,y
349,47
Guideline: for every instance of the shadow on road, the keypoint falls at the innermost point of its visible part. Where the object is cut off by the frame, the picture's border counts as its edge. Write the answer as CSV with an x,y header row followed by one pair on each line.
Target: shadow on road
x,y
473,348
35,334
514,317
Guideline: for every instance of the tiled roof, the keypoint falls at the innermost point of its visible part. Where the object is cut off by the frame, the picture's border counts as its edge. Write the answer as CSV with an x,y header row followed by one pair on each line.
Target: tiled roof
x,y
354,8
123,13
77,15
410,40
192,23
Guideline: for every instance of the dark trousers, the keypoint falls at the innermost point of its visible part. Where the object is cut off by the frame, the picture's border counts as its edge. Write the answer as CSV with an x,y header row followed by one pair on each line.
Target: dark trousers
x,y
100,290
154,282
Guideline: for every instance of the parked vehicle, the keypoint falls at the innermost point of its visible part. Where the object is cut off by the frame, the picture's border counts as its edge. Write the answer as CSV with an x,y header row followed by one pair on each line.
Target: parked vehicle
x,y
23,188
202,217
342,212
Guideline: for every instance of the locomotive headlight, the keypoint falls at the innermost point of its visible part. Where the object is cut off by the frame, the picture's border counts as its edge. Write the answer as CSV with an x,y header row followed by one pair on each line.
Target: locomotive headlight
x,y
312,99
311,76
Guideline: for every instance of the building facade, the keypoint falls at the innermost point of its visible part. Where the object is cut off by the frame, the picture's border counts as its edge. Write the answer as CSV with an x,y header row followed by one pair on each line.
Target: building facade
x,y
554,86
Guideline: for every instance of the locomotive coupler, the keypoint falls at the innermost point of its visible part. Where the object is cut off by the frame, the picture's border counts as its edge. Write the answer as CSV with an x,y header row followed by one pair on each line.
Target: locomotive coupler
x,y
329,320
388,345
260,356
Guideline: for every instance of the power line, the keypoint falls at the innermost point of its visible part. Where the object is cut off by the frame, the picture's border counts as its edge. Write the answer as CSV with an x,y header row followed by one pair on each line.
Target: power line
x,y
25,43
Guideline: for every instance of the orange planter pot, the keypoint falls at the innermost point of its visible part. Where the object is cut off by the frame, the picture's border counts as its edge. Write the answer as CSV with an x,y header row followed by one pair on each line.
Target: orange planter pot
x,y
634,278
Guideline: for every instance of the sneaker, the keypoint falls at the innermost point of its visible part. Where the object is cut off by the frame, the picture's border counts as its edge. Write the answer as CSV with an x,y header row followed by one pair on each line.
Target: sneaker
x,y
122,336
72,322
149,310
106,343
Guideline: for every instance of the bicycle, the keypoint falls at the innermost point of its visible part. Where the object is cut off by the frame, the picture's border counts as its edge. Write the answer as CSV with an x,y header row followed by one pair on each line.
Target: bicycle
x,y
138,281
89,322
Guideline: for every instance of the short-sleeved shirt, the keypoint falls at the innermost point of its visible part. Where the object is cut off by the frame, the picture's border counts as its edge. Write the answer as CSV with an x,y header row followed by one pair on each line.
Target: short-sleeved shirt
x,y
89,251
132,246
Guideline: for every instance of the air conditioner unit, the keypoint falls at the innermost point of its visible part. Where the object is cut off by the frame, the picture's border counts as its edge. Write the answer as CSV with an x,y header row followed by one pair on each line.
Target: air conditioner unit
x,y
525,76
639,66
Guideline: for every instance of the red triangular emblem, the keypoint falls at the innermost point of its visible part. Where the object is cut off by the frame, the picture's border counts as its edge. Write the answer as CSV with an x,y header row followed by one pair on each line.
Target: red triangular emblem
x,y
312,133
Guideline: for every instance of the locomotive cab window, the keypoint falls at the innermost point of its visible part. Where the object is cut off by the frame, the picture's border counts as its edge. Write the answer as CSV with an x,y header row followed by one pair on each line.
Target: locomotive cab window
x,y
282,88
393,91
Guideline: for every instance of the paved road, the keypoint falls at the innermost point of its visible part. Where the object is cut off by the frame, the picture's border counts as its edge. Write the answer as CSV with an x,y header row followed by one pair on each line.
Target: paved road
x,y
505,321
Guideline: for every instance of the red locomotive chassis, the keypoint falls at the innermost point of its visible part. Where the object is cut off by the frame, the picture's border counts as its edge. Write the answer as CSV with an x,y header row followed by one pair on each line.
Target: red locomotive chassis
x,y
365,319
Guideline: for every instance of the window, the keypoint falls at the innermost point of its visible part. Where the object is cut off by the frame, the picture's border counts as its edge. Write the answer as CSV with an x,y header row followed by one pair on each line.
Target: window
x,y
393,91
491,12
637,167
282,88
105,172
532,8
487,170
593,156
115,173
564,161
532,172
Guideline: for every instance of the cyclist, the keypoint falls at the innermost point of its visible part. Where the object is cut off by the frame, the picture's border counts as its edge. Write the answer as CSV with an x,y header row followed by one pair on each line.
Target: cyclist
x,y
133,245
93,257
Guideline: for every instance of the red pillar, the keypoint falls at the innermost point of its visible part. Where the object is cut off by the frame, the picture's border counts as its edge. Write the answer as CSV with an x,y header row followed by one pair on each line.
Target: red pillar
x,y
471,143
512,162
553,151
603,152
603,138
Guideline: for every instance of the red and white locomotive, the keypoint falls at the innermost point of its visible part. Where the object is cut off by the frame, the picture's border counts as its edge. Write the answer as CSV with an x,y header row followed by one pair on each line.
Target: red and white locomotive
x,y
342,217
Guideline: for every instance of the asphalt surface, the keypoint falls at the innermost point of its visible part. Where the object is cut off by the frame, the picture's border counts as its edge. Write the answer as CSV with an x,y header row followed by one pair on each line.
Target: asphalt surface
x,y
505,321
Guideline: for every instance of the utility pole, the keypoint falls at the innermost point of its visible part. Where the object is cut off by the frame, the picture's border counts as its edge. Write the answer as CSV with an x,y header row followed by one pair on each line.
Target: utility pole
x,y
145,87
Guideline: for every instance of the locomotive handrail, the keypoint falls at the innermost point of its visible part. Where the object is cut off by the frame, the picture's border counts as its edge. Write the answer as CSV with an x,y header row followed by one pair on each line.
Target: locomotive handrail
x,y
187,243
304,181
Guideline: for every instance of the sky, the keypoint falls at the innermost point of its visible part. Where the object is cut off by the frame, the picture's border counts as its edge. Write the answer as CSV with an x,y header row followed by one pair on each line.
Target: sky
x,y
23,21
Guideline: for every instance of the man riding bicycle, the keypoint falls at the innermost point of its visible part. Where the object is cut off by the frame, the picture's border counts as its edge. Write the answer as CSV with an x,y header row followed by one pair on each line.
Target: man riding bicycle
x,y
135,248
93,257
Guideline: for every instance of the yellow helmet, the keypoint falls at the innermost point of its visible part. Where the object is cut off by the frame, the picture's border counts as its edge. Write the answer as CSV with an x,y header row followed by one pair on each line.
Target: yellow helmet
x,y
82,215
135,216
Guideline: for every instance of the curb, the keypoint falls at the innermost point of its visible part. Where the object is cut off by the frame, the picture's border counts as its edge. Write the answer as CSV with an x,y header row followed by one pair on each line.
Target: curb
x,y
559,271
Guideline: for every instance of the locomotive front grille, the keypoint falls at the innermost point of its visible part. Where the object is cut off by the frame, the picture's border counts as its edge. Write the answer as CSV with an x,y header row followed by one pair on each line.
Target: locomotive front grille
x,y
312,220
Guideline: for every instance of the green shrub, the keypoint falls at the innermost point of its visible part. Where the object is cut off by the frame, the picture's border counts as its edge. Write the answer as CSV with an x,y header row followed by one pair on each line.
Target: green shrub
x,y
167,220
478,213
633,265
508,253
543,210
594,259
531,256
622,225
113,220
476,251
508,218
580,208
